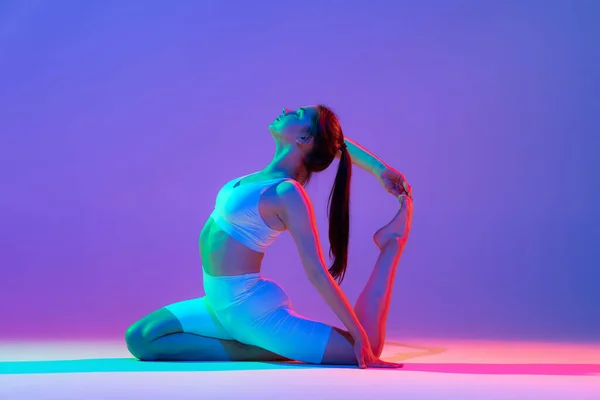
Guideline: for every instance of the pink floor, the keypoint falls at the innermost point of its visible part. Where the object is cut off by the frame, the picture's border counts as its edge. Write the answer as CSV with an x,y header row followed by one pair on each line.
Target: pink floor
x,y
434,369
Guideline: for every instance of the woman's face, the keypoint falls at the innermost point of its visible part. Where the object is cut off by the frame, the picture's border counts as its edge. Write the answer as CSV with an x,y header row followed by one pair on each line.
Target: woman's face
x,y
293,124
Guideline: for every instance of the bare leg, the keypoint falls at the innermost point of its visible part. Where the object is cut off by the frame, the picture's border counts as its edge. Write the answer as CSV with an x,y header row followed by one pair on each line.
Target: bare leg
x,y
189,347
373,303
160,337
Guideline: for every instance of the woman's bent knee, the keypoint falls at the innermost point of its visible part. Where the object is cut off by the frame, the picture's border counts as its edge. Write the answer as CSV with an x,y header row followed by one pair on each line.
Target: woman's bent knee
x,y
137,344
140,335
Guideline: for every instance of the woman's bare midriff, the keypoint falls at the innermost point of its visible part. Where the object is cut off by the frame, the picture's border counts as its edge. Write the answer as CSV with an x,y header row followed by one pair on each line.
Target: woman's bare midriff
x,y
222,255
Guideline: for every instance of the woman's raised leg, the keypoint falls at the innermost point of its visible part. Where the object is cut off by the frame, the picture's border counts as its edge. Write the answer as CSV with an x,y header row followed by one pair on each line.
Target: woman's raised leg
x,y
373,304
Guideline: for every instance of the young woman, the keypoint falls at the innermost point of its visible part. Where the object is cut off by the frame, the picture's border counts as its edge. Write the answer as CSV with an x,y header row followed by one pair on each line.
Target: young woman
x,y
244,316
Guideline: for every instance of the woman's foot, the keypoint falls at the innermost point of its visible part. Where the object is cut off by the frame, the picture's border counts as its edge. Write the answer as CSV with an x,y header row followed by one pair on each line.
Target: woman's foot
x,y
399,227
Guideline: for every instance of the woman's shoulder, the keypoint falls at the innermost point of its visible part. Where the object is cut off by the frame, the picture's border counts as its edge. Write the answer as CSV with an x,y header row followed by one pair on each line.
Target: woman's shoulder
x,y
291,193
289,187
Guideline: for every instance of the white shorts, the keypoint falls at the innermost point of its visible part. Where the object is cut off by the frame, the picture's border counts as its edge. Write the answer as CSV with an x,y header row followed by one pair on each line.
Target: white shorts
x,y
255,311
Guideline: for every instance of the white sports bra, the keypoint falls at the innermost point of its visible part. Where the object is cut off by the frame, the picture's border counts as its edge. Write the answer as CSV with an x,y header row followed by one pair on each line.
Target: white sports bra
x,y
236,213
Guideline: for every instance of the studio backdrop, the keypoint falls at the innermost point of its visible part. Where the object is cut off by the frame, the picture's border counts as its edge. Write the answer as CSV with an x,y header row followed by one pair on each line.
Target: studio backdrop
x,y
120,121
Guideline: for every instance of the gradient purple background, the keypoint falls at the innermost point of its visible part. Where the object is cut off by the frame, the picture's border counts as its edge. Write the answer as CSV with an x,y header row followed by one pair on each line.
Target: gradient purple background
x,y
120,120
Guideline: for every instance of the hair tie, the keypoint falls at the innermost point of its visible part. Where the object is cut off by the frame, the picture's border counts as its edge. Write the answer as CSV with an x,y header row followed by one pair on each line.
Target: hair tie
x,y
343,146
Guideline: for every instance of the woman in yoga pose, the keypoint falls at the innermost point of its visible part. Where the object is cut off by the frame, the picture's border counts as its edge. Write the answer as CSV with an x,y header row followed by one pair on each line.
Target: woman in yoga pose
x,y
245,317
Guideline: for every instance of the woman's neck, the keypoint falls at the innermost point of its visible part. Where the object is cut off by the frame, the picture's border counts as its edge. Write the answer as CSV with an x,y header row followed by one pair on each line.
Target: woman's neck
x,y
286,163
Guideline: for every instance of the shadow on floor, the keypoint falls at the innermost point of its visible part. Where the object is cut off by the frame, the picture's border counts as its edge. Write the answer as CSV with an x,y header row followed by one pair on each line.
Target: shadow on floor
x,y
507,369
421,351
133,365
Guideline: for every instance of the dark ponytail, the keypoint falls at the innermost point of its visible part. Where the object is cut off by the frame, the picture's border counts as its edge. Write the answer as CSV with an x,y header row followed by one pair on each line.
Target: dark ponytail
x,y
328,139
339,217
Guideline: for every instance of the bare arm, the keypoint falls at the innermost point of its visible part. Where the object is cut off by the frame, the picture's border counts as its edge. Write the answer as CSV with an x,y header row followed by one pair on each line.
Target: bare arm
x,y
363,158
298,215
393,181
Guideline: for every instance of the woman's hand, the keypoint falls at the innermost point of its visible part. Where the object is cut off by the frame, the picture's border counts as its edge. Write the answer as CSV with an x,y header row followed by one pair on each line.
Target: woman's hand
x,y
366,359
393,181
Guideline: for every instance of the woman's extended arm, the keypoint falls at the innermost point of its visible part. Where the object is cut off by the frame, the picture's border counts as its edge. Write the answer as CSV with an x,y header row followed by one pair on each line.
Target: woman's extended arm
x,y
298,215
392,181
363,158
